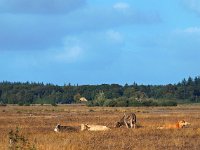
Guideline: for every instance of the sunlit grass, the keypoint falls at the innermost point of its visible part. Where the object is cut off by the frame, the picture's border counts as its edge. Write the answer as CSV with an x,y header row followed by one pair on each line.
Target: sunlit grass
x,y
37,124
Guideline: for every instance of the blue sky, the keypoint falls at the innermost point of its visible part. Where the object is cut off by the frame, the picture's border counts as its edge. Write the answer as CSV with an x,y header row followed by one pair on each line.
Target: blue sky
x,y
99,41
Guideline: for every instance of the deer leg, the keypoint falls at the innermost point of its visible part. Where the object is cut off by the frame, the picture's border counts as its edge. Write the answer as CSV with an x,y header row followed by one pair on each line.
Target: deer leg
x,y
126,124
125,121
131,123
134,125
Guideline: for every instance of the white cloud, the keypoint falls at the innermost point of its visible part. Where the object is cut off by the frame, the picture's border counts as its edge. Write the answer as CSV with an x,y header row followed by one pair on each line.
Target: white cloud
x,y
87,47
69,55
114,36
121,6
192,30
189,30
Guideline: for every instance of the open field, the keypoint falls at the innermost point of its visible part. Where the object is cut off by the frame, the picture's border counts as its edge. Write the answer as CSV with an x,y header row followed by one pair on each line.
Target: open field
x,y
37,124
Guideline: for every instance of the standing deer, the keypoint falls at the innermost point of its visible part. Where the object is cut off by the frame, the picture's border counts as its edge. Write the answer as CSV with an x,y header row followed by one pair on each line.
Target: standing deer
x,y
128,119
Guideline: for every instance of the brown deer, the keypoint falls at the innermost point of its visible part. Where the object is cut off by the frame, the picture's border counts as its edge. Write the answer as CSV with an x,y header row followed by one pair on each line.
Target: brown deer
x,y
178,125
128,119
93,127
60,128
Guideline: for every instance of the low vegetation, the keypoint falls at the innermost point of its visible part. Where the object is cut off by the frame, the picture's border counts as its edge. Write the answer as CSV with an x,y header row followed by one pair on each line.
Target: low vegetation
x,y
130,102
36,124
18,141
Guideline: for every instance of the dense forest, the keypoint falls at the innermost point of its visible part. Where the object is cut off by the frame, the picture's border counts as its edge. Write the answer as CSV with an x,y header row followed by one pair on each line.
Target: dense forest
x,y
188,90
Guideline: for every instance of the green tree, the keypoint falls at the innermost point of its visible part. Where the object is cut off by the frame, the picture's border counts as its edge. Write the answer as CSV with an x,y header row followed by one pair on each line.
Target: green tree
x,y
100,98
129,92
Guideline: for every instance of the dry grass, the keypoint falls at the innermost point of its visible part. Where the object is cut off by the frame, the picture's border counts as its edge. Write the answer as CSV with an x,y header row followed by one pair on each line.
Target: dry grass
x,y
37,123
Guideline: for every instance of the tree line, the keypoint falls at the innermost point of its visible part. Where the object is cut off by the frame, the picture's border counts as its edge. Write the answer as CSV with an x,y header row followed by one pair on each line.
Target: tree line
x,y
188,90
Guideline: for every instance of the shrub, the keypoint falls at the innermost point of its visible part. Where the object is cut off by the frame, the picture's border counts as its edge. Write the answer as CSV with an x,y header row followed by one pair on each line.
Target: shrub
x,y
27,104
128,102
2,103
89,103
135,103
149,103
20,103
122,103
19,142
53,104
167,103
110,103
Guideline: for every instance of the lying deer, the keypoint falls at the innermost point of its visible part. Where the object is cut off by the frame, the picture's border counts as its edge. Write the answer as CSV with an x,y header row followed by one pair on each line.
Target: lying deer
x,y
60,128
178,125
93,127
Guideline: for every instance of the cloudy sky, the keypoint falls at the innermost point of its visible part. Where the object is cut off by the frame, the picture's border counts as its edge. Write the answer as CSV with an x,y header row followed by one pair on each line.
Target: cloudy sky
x,y
99,41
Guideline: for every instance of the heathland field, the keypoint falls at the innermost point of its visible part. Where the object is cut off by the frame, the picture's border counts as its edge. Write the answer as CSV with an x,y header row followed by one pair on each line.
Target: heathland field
x,y
36,124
